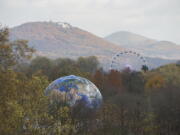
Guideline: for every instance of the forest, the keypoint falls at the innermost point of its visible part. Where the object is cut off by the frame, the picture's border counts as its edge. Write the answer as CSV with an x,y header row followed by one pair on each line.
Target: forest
x,y
134,103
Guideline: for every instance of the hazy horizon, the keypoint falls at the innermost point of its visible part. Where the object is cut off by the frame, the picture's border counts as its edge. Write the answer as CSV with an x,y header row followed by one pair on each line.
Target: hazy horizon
x,y
153,19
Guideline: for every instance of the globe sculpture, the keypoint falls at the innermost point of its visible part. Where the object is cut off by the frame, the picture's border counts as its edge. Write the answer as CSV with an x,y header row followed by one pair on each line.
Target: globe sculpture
x,y
74,90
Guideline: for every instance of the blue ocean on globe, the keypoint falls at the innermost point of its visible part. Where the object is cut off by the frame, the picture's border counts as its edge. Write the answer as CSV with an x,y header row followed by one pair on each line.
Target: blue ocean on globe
x,y
74,90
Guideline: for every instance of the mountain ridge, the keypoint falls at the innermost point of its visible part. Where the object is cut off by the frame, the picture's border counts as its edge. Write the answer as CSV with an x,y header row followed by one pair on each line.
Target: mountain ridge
x,y
147,46
53,40
60,39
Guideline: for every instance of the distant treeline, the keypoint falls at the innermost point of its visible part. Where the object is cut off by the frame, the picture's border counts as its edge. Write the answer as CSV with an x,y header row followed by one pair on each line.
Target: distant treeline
x,y
53,69
134,103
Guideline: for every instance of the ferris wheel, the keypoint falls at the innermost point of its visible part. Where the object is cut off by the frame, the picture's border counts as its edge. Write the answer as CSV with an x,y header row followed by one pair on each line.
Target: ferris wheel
x,y
128,59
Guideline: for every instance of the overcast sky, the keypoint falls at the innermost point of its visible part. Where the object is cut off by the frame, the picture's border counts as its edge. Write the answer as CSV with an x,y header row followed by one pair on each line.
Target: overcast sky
x,y
158,19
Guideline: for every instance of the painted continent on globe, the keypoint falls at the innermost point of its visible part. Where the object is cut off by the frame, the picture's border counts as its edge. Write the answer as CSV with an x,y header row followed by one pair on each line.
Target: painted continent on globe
x,y
74,90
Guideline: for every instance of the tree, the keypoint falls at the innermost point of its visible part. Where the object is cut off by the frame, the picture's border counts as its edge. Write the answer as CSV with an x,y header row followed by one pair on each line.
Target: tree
x,y
89,64
41,64
144,68
11,112
165,103
12,53
178,63
155,81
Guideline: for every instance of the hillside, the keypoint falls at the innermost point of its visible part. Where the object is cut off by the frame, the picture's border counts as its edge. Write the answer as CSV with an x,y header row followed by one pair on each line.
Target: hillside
x,y
63,40
144,45
55,40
